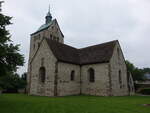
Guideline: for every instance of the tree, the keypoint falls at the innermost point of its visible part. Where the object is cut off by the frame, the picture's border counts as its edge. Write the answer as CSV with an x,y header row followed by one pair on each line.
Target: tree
x,y
24,76
10,58
138,74
12,82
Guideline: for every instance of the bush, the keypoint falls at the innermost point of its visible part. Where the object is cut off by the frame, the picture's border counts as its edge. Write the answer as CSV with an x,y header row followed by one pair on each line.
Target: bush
x,y
145,91
0,90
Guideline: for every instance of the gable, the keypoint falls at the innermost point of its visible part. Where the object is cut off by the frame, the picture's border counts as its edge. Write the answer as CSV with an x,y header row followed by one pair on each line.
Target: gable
x,y
117,56
43,51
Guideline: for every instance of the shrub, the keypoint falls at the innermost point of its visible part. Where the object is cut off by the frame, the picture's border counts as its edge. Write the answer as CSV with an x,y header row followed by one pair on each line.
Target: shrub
x,y
145,91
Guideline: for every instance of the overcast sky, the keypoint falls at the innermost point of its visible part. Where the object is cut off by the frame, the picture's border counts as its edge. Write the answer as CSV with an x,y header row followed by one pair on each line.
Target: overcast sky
x,y
85,23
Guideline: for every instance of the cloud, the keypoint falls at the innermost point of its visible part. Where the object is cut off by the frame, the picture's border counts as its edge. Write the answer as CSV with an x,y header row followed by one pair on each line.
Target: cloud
x,y
87,22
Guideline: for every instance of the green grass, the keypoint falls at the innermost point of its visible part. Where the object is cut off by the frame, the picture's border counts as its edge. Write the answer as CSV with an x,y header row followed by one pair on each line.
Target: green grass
x,y
19,103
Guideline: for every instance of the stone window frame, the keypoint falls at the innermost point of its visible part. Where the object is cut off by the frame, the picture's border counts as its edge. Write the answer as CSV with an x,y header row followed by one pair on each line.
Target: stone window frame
x,y
72,75
91,75
42,74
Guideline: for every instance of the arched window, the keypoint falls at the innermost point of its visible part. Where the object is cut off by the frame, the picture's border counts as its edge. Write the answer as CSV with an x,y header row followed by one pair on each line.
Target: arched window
x,y
91,75
42,74
72,75
120,79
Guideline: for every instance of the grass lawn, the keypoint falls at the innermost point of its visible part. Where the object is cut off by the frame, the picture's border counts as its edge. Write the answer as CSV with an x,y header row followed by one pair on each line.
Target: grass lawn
x,y
19,103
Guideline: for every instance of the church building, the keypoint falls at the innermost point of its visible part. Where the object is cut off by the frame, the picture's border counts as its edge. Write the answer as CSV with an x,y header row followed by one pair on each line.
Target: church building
x,y
57,69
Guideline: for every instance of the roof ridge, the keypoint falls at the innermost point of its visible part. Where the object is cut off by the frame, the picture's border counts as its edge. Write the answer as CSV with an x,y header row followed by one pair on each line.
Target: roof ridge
x,y
100,53
61,43
99,44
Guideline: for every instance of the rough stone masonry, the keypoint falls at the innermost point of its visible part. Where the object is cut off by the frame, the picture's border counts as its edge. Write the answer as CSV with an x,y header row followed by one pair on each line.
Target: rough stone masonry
x,y
56,69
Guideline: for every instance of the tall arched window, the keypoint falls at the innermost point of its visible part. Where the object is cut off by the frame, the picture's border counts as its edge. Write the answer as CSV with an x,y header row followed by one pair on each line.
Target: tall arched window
x,y
91,74
42,74
72,75
120,79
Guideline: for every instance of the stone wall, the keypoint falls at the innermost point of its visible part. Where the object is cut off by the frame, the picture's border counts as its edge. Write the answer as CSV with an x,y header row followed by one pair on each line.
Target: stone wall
x,y
37,87
58,75
101,85
65,85
117,63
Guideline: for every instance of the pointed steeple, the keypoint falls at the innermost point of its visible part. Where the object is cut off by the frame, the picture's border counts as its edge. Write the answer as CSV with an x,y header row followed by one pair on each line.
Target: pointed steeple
x,y
48,16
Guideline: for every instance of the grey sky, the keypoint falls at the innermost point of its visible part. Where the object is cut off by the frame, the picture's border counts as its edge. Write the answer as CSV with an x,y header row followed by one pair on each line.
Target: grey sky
x,y
85,23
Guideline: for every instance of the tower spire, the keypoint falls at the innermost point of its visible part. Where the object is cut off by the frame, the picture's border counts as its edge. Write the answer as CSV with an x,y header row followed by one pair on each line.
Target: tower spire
x,y
49,8
48,16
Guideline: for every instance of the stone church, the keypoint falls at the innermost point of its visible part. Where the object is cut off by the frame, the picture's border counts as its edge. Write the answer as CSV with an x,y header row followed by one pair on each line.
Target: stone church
x,y
57,69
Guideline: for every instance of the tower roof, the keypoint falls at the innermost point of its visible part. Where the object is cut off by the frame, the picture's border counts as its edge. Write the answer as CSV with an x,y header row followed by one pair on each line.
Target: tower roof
x,y
48,22
43,27
48,16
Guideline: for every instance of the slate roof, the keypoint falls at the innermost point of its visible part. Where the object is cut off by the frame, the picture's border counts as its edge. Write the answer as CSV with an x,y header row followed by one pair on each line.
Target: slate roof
x,y
43,27
100,53
46,26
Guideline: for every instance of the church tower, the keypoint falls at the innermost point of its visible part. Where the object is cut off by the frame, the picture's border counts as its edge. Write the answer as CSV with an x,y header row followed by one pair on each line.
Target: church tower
x,y
50,29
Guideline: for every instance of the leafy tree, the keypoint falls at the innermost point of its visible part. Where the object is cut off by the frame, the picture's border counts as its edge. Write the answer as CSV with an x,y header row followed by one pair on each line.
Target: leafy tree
x,y
138,74
130,66
10,58
24,76
146,70
12,82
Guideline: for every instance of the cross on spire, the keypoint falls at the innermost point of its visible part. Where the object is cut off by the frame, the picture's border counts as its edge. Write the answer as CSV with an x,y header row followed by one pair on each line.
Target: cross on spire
x,y
49,8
